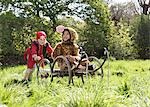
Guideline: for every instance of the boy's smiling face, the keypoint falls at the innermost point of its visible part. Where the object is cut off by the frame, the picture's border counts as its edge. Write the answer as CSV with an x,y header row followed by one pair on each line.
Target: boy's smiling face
x,y
65,36
42,40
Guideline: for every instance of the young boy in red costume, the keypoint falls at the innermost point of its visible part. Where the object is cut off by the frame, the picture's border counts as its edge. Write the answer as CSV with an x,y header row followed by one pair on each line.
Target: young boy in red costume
x,y
35,53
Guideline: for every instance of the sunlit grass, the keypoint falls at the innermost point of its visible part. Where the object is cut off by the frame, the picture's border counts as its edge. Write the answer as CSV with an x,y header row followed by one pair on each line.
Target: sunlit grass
x,y
127,86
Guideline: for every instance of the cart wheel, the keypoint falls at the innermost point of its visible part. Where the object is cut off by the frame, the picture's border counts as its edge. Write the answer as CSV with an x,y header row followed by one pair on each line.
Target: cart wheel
x,y
57,72
94,66
44,69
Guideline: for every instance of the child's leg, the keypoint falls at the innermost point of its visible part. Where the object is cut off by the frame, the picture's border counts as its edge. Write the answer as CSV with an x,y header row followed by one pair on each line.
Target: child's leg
x,y
28,73
30,68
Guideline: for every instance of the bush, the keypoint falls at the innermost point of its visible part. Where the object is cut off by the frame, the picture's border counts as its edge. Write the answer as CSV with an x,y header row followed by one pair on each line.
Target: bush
x,y
121,43
141,31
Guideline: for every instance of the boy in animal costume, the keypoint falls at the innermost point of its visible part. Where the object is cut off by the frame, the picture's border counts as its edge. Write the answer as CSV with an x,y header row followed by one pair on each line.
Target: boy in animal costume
x,y
67,47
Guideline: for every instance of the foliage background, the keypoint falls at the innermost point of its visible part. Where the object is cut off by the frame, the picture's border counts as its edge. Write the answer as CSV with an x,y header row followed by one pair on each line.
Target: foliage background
x,y
95,22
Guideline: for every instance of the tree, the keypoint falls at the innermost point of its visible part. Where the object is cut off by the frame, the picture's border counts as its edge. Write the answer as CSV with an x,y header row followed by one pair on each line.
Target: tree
x,y
97,27
40,8
8,23
121,42
123,12
143,37
145,4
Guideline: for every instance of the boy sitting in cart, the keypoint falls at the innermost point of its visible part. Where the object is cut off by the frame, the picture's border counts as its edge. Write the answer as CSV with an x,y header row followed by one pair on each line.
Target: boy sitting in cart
x,y
67,47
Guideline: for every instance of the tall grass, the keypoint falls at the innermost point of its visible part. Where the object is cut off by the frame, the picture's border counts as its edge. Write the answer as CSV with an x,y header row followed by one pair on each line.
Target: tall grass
x,y
129,85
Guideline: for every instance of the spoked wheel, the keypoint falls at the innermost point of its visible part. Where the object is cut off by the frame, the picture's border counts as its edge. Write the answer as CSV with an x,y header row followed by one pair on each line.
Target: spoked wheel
x,y
95,66
59,72
44,69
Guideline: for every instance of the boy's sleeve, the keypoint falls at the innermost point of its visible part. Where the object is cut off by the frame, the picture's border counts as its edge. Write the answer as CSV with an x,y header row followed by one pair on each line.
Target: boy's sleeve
x,y
49,49
25,54
57,51
75,50
33,49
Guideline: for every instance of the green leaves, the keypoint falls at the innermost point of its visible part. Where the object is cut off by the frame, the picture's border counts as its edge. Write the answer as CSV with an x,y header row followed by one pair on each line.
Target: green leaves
x,y
97,27
121,42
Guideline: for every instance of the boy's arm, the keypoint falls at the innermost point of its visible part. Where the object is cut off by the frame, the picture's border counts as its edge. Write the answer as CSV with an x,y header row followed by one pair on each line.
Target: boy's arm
x,y
27,51
49,49
57,51
34,53
75,55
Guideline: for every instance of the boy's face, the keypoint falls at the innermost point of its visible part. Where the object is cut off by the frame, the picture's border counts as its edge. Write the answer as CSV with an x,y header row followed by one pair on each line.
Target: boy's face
x,y
66,36
42,40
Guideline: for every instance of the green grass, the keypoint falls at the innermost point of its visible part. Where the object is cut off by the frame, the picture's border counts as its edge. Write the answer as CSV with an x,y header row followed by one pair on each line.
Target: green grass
x,y
128,86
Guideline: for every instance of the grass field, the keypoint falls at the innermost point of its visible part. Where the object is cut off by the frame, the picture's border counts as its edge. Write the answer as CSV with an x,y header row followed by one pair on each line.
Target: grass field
x,y
128,85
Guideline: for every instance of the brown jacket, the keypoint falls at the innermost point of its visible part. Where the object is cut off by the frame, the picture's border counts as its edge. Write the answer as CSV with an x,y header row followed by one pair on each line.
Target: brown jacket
x,y
66,49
